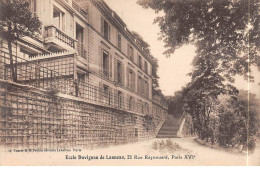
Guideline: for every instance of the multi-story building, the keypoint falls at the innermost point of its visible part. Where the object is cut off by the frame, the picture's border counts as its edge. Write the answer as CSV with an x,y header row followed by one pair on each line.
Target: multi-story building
x,y
87,51
117,61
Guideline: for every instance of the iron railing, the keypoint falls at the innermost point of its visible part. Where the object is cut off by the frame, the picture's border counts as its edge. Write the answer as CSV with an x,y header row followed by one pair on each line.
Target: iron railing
x,y
81,50
160,102
55,77
52,31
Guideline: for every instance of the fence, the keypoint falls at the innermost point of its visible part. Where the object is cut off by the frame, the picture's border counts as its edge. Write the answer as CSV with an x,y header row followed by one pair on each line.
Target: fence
x,y
33,119
34,116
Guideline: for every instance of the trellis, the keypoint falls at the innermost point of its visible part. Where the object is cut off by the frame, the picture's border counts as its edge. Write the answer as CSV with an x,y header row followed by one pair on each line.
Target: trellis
x,y
37,120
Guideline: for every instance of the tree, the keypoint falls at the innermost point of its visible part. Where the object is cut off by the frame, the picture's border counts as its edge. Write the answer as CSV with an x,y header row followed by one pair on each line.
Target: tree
x,y
16,21
237,123
141,41
226,35
224,31
175,104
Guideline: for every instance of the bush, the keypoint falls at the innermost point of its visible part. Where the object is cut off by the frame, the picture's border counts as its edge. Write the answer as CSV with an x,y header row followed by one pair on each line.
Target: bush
x,y
233,122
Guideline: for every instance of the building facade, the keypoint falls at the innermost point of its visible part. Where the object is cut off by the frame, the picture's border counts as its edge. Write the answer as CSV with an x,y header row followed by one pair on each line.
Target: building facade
x,y
86,51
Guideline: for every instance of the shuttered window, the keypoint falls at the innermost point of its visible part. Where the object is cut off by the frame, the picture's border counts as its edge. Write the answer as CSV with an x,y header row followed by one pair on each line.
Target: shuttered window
x,y
130,52
119,39
105,29
131,79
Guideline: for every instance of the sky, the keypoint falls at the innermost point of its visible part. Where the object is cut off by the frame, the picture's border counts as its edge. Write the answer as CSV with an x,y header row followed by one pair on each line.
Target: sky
x,y
172,71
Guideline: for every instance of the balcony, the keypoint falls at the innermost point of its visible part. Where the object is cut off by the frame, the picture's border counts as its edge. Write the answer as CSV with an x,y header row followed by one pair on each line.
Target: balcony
x,y
57,39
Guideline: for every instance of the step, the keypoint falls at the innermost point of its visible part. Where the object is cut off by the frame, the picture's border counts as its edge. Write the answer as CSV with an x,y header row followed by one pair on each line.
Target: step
x,y
168,132
167,136
170,127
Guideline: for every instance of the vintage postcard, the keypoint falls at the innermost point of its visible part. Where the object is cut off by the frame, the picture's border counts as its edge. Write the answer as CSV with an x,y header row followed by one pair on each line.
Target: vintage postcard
x,y
129,82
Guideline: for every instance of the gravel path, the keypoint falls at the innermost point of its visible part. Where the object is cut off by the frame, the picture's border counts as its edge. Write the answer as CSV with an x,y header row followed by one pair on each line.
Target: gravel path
x,y
142,153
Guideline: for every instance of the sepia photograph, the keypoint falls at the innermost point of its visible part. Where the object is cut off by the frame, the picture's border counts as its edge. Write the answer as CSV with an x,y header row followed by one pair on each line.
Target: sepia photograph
x,y
129,82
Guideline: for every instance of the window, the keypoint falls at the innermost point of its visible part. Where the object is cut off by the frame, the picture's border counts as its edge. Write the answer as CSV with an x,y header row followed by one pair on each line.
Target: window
x,y
119,72
105,29
146,89
146,108
120,99
105,65
131,79
80,84
81,78
107,99
139,85
79,37
119,41
58,19
130,103
141,108
130,52
145,67
136,132
140,62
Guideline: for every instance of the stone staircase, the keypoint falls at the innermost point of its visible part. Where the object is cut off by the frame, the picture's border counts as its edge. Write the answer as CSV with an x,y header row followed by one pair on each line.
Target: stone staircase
x,y
169,129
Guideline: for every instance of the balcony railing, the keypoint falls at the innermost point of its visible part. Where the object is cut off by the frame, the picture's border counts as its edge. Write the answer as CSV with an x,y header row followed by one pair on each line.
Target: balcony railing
x,y
79,9
51,73
53,32
160,102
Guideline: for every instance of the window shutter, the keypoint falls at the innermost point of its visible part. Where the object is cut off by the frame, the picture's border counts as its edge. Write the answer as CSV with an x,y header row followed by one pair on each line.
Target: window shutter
x,y
110,96
143,87
110,66
128,102
101,92
122,101
101,61
134,83
123,74
127,76
109,32
102,26
115,70
147,89
128,50
115,98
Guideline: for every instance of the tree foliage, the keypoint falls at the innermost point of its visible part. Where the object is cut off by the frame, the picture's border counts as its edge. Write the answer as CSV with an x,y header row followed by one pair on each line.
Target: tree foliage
x,y
236,122
226,32
176,104
226,36
16,21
